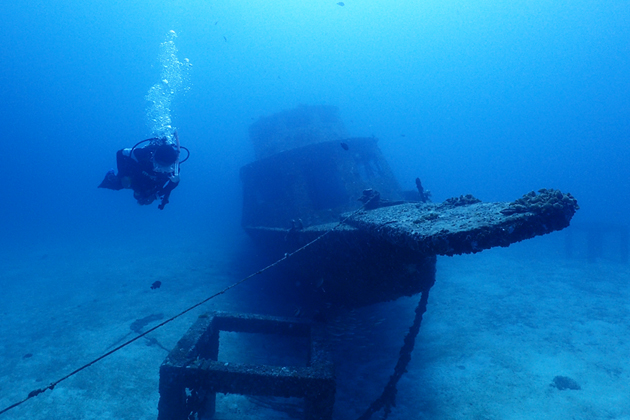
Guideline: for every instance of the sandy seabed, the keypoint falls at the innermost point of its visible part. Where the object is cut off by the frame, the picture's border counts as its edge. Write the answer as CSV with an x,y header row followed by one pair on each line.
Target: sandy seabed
x,y
500,326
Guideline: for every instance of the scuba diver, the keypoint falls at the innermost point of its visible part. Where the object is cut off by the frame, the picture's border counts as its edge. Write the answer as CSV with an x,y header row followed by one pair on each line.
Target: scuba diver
x,y
151,171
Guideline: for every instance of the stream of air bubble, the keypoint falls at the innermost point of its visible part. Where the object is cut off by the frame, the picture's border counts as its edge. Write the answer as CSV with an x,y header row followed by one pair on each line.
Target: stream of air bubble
x,y
173,80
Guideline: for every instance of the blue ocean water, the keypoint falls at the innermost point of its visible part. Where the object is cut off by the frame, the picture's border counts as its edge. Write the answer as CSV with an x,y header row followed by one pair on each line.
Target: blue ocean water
x,y
493,98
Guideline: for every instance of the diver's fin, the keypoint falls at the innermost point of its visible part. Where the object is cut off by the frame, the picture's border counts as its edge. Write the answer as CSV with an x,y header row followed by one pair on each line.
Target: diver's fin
x,y
111,181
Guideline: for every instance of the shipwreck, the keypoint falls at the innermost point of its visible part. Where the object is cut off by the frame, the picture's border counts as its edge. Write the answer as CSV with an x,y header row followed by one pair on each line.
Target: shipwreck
x,y
368,241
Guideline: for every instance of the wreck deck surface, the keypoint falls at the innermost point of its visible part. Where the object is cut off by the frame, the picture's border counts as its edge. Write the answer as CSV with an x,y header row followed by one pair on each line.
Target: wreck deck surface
x,y
433,229
450,228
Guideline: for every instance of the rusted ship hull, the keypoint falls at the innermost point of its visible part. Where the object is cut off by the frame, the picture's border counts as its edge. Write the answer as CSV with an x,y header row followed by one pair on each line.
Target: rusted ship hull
x,y
308,178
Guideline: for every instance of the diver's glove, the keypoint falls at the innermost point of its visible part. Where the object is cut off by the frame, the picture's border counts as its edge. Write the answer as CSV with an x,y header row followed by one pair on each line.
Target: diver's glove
x,y
164,202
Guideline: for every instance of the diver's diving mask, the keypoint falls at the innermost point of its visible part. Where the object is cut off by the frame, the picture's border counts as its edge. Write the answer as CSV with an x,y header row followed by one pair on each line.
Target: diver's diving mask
x,y
165,168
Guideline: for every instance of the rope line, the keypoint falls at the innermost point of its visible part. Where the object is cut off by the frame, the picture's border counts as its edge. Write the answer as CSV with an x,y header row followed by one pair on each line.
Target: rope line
x,y
387,400
52,385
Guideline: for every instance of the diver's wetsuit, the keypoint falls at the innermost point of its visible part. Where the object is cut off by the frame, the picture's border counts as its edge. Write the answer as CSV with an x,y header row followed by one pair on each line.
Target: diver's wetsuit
x,y
137,172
